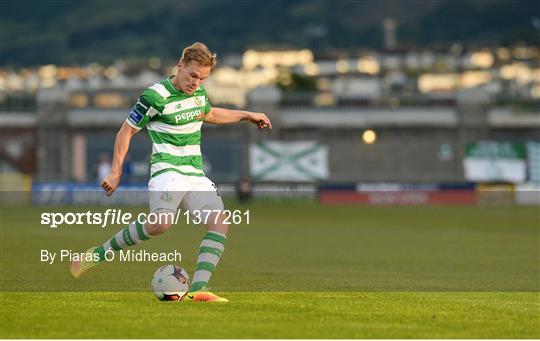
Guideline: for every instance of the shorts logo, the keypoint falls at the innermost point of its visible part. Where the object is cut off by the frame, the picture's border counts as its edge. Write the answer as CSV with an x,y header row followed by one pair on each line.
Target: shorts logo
x,y
135,116
166,196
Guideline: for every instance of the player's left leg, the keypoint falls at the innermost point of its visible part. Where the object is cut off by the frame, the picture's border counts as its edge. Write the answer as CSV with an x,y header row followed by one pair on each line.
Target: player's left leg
x,y
200,203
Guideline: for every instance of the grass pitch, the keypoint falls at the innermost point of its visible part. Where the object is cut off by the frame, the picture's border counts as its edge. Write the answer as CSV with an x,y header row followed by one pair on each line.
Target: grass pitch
x,y
273,315
298,270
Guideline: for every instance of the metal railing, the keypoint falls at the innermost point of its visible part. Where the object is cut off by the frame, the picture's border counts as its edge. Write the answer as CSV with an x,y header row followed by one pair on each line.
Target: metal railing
x,y
18,101
329,99
114,98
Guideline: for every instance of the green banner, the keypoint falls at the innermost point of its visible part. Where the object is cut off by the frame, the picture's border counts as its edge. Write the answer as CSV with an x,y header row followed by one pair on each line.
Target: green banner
x,y
496,150
305,161
493,161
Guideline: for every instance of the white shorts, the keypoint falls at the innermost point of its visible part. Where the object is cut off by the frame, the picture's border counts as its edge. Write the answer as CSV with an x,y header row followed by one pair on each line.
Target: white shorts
x,y
170,190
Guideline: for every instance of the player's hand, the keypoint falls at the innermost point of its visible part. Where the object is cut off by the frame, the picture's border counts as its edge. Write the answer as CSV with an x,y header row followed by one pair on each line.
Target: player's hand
x,y
260,119
110,182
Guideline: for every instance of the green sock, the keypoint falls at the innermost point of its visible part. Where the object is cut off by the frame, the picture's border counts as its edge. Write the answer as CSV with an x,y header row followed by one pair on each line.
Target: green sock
x,y
130,235
210,251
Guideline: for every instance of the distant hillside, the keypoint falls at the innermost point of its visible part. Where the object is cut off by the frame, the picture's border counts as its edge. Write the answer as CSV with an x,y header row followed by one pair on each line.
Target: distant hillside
x,y
69,31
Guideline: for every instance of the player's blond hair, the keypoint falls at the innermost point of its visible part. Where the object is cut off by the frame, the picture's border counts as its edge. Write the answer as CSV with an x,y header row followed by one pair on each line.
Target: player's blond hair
x,y
199,53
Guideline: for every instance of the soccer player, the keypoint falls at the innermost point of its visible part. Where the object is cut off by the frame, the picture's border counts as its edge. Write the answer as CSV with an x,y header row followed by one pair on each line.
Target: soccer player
x,y
173,112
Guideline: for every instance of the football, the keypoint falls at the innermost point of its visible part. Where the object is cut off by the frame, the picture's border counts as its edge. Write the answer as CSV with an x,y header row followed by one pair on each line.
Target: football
x,y
170,282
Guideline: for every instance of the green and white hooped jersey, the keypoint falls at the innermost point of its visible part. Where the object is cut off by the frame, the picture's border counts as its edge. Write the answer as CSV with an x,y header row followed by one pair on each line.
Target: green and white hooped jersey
x,y
173,120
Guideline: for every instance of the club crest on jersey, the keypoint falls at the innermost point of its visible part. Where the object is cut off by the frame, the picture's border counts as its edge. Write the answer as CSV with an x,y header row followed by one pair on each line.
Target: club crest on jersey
x,y
198,101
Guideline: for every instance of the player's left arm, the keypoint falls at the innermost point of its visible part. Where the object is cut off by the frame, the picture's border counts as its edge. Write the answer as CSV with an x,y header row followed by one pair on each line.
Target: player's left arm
x,y
225,116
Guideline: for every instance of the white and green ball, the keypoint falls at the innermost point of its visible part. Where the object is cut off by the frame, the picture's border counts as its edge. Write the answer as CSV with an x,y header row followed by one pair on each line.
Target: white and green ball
x,y
170,283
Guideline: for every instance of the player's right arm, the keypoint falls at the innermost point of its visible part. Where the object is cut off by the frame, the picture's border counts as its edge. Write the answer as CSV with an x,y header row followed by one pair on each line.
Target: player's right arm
x,y
148,105
121,145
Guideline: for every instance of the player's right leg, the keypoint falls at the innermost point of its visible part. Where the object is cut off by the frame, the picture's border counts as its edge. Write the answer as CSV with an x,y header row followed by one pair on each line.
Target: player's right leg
x,y
163,205
130,235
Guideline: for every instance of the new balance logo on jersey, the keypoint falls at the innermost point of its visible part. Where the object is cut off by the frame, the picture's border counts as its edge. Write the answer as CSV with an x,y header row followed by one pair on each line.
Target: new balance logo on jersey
x,y
188,116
